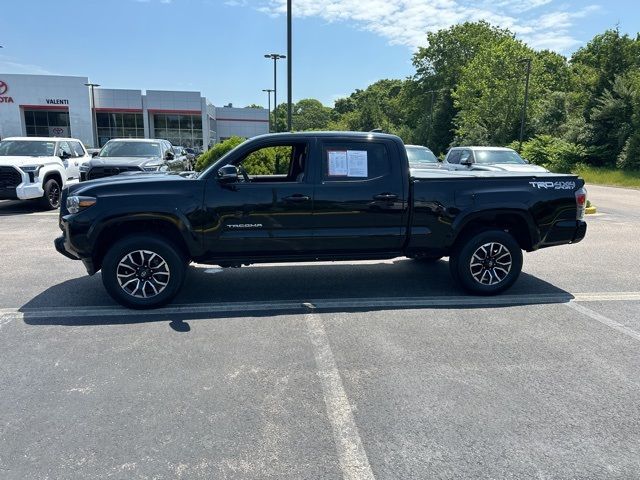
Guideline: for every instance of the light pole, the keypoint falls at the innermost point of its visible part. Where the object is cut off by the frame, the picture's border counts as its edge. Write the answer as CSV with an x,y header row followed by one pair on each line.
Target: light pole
x,y
275,57
523,118
289,64
268,90
93,110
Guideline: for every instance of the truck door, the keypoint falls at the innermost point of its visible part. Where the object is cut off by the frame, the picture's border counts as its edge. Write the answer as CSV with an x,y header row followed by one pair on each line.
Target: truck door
x,y
360,203
268,211
66,156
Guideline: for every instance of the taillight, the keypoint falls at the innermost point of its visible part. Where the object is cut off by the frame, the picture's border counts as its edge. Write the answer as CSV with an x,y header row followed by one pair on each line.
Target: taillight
x,y
581,202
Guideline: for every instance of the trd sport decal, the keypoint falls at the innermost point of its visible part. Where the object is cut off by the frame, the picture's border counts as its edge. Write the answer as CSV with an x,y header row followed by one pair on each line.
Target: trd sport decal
x,y
554,185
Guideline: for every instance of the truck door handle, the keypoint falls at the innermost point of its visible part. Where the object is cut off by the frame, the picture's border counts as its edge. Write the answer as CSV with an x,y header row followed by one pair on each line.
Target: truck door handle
x,y
385,196
297,198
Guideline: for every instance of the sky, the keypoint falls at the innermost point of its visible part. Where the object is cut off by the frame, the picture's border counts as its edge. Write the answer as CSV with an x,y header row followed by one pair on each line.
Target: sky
x,y
217,47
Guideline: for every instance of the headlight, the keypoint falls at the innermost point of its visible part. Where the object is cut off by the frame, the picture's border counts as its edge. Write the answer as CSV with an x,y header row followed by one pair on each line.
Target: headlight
x,y
151,168
76,204
84,168
31,169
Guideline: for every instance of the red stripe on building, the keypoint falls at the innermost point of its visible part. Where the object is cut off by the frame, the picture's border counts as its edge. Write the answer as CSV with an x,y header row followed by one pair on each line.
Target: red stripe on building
x,y
242,120
119,110
44,107
178,112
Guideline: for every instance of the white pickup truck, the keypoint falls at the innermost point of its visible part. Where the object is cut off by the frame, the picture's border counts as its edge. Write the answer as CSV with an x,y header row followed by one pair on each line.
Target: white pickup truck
x,y
39,167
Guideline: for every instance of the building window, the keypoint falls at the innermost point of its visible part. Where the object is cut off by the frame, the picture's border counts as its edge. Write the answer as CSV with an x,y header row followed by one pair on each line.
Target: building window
x,y
119,125
185,130
45,123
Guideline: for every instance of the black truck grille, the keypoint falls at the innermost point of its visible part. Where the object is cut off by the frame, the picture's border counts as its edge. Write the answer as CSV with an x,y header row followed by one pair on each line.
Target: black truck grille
x,y
101,172
9,177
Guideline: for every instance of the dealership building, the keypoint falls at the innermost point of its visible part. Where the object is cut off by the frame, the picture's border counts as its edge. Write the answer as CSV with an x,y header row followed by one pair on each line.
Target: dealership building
x,y
61,106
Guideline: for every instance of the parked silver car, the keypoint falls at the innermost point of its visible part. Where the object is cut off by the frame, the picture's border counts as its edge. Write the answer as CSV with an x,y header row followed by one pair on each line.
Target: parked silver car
x,y
488,158
421,157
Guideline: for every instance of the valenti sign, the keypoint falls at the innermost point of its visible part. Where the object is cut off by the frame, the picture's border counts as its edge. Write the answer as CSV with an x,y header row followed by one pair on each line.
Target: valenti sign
x,y
4,88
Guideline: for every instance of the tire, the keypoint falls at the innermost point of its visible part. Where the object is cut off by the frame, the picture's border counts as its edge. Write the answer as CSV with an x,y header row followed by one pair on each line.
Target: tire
x,y
142,272
487,263
52,194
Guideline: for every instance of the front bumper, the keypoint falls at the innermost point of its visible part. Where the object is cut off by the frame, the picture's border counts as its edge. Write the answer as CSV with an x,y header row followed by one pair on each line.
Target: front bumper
x,y
26,191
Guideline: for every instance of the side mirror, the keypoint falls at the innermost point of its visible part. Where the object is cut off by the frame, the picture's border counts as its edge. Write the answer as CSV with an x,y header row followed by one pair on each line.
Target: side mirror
x,y
65,155
467,161
228,174
169,155
526,161
95,154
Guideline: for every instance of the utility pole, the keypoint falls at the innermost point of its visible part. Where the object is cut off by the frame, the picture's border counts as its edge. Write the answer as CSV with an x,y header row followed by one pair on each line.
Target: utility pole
x,y
289,64
268,90
93,115
523,118
275,57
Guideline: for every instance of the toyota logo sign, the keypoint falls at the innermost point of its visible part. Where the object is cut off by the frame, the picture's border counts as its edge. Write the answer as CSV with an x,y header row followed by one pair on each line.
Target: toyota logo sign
x,y
3,87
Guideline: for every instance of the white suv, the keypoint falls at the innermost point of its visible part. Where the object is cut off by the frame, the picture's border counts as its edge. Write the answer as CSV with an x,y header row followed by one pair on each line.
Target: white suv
x,y
39,167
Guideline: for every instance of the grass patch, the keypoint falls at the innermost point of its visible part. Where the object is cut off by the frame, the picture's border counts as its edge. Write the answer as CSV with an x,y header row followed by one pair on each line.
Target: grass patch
x,y
610,176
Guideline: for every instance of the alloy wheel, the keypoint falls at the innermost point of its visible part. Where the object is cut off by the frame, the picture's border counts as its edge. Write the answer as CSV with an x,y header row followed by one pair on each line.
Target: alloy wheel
x,y
491,263
143,274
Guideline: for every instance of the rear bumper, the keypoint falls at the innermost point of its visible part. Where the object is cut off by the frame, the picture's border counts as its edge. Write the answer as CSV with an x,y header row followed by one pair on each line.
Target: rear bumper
x,y
581,231
565,231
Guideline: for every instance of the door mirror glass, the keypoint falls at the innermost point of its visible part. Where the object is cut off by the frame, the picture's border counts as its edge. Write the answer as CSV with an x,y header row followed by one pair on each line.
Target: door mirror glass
x,y
228,174
95,154
169,155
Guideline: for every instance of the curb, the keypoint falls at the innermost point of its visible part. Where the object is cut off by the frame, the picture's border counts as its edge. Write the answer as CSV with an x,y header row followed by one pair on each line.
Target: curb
x,y
590,210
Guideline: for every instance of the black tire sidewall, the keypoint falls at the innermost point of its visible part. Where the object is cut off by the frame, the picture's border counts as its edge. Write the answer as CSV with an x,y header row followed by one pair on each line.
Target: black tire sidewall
x,y
460,264
162,247
47,188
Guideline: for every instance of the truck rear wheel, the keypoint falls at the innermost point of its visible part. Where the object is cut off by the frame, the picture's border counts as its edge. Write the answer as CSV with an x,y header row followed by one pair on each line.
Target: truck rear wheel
x,y
143,272
487,263
52,193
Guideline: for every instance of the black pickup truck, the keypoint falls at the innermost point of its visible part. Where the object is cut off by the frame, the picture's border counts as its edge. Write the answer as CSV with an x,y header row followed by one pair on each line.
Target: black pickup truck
x,y
314,196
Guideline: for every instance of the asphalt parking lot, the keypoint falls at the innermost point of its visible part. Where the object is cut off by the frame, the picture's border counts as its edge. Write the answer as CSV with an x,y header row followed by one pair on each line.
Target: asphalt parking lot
x,y
340,370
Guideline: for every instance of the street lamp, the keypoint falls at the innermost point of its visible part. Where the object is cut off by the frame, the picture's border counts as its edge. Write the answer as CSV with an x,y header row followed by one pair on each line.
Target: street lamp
x,y
523,117
268,90
289,65
275,57
93,110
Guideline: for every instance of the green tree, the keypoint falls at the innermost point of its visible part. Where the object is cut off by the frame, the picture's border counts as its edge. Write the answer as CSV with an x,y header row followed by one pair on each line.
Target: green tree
x,y
216,152
310,114
438,69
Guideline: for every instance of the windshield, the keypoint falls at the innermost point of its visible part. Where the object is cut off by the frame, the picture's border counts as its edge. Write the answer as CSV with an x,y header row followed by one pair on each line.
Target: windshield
x,y
488,157
27,148
130,149
421,155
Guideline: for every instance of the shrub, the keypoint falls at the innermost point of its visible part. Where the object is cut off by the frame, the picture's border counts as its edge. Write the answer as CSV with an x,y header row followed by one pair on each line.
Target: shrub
x,y
553,153
217,151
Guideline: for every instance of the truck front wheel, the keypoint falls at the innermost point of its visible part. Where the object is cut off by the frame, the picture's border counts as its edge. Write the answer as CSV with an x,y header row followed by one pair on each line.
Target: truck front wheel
x,y
52,193
487,263
143,272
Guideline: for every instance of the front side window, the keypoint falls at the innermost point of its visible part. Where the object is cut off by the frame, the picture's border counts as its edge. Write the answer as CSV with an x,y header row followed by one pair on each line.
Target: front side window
x,y
64,149
465,156
131,149
25,148
277,163
488,157
354,161
78,149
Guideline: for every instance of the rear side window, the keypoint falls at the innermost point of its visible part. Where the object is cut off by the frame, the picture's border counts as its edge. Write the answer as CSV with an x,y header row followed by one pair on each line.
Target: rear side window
x,y
454,156
352,162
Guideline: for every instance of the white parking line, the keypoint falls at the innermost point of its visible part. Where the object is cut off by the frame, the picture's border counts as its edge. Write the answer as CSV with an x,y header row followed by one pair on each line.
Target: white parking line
x,y
337,303
351,454
604,320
